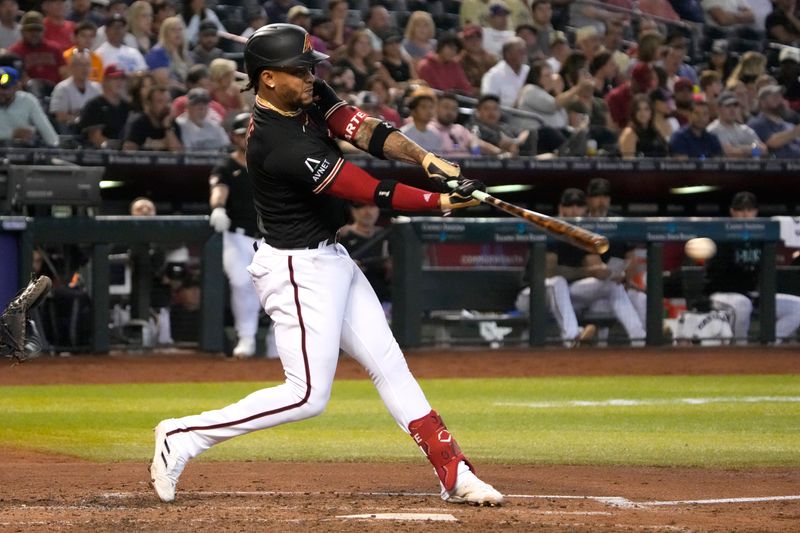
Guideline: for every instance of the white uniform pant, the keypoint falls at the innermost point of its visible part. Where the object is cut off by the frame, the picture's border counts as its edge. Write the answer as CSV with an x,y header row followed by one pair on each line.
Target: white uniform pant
x,y
558,303
318,300
237,253
593,292
740,307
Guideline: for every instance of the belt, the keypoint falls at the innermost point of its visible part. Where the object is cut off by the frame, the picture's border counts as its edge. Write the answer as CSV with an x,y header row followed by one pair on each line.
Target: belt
x,y
321,244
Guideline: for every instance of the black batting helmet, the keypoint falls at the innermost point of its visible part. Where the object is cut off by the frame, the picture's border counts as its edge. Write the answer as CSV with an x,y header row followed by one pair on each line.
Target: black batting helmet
x,y
279,46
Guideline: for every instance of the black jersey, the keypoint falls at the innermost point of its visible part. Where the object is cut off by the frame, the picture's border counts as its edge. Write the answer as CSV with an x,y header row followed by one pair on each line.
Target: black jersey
x,y
291,161
239,205
735,268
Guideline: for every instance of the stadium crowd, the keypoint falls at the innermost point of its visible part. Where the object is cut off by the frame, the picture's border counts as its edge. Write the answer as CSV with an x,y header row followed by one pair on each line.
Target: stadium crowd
x,y
545,78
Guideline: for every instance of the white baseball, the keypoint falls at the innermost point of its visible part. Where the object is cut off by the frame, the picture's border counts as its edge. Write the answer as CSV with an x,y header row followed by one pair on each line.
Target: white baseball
x,y
701,248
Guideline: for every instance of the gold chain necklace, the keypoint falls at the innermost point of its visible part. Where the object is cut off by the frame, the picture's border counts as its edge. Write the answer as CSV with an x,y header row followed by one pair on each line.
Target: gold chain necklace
x,y
268,105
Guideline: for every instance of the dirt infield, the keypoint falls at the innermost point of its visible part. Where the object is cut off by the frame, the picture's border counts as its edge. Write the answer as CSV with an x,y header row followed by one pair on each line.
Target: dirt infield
x,y
56,493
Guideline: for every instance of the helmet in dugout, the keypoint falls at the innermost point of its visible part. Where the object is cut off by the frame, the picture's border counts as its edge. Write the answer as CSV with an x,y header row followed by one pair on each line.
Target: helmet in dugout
x,y
279,46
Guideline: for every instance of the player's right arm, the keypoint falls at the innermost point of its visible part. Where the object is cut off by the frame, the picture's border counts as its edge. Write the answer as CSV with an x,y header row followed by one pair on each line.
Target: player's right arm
x,y
382,139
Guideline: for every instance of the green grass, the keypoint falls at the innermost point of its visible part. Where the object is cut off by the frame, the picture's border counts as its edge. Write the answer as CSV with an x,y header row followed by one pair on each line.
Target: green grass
x,y
488,416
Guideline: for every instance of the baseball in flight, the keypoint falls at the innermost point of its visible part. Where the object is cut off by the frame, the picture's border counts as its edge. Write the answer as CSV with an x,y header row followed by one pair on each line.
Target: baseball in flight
x,y
701,248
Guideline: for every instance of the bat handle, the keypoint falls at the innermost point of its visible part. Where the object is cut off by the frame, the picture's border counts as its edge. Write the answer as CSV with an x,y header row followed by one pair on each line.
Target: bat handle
x,y
481,196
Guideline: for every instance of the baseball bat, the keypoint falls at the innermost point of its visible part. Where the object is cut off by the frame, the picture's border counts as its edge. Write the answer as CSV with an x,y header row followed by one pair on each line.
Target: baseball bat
x,y
231,36
584,239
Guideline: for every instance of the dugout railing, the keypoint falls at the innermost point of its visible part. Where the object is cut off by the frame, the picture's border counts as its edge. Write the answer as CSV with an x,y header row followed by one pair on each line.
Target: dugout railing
x,y
420,287
19,236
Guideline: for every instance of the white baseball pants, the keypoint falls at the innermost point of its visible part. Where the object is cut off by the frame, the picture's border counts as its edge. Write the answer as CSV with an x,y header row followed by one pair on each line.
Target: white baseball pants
x,y
318,300
237,253
558,303
739,306
588,291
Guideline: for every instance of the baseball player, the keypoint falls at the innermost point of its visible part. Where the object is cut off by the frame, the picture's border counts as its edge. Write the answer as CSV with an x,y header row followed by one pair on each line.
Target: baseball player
x,y
733,275
592,284
318,298
233,215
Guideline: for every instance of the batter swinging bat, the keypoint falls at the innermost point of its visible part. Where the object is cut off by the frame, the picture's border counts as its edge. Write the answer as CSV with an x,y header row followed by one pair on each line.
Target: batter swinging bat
x,y
583,239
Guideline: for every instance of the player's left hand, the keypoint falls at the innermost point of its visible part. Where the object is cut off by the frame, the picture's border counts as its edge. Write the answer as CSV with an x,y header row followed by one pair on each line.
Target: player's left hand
x,y
458,199
324,95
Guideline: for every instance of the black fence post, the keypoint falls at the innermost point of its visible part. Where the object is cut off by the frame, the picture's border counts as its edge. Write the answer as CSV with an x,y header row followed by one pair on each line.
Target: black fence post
x,y
538,307
655,293
211,308
100,297
766,305
406,283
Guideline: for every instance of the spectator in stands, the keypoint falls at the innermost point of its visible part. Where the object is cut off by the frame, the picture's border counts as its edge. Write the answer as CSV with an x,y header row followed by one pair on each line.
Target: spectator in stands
x,y
474,60
613,42
788,75
456,140
206,49
70,95
257,17
527,33
197,132
559,50
710,89
507,77
441,69
542,15
377,86
139,86
169,60
42,58
84,11
693,140
419,36
299,16
673,61
57,29
162,10
592,284
649,47
195,13
496,32
140,18
619,100
115,52
782,24
720,60
378,23
737,140
604,70
128,39
493,131
116,7
342,80
9,27
751,67
278,10
338,11
422,104
84,37
198,76
358,58
541,96
640,137
663,121
152,129
573,68
104,116
223,90
732,20
588,41
733,279
394,68
683,94
781,137
21,114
